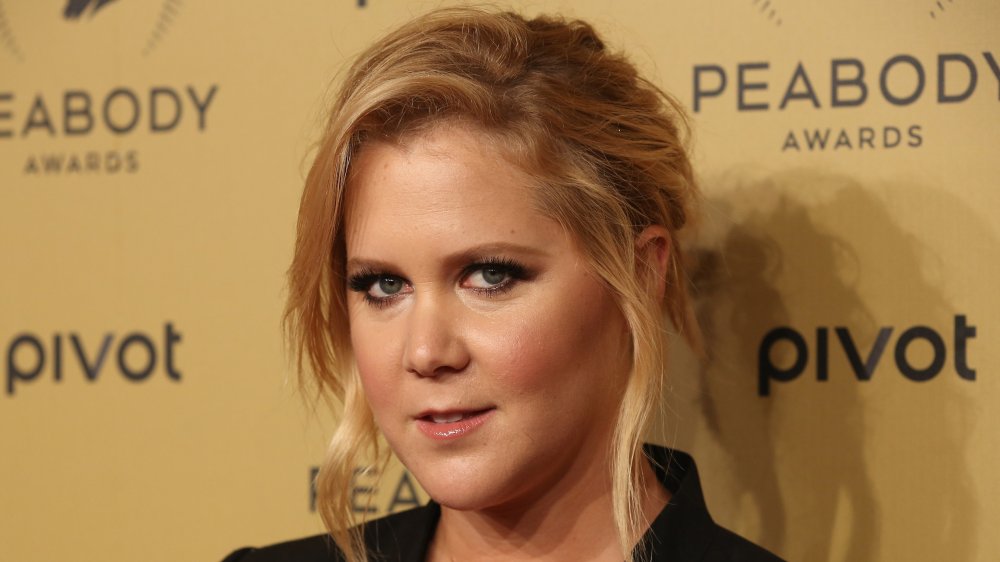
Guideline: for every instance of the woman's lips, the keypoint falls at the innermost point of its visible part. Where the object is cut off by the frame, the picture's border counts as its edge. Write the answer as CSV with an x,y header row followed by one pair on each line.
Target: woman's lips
x,y
447,426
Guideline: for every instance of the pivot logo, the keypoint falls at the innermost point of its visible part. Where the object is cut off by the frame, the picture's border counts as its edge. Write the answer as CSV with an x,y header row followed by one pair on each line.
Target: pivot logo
x,y
134,355
364,489
864,367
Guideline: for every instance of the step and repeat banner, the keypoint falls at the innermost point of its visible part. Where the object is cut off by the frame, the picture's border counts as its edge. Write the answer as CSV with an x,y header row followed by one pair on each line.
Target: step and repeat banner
x,y
151,159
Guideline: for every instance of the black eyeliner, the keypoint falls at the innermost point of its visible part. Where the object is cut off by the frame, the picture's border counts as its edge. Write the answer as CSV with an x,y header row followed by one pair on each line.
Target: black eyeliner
x,y
512,267
515,272
362,281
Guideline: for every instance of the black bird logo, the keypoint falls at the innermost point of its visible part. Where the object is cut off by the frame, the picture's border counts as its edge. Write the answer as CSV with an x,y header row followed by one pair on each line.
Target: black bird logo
x,y
76,8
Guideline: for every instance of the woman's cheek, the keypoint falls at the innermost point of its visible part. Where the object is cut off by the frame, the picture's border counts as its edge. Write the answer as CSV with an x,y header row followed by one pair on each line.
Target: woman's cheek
x,y
570,338
517,352
375,359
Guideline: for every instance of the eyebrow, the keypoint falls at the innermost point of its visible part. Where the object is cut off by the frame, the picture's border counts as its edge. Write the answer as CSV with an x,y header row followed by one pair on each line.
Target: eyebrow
x,y
462,257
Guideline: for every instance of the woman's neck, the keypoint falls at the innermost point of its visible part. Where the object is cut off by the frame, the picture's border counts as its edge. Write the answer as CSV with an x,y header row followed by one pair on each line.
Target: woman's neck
x,y
571,520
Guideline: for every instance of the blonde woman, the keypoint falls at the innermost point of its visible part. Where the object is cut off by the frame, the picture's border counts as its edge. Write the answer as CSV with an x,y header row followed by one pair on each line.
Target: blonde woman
x,y
486,265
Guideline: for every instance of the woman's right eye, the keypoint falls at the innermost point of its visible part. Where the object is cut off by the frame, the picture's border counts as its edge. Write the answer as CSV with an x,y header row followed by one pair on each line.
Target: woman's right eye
x,y
378,288
385,287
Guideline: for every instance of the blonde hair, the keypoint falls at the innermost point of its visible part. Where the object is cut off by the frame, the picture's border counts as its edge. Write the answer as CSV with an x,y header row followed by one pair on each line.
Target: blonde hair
x,y
607,150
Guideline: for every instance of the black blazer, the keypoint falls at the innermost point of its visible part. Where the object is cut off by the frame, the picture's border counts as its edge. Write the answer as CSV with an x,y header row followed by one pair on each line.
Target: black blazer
x,y
682,532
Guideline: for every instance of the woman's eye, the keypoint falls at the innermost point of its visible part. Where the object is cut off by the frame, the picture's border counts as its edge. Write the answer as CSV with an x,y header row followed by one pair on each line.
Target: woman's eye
x,y
491,277
488,277
385,287
379,289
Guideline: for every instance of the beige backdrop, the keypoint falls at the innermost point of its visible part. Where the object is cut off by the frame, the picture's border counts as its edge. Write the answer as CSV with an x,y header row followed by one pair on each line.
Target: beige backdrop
x,y
151,157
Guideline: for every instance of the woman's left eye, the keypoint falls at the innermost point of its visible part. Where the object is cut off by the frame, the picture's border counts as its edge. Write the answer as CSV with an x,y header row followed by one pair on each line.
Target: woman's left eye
x,y
488,277
493,276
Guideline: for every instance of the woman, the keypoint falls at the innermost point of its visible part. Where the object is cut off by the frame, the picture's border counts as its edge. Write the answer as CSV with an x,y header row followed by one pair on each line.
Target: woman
x,y
487,245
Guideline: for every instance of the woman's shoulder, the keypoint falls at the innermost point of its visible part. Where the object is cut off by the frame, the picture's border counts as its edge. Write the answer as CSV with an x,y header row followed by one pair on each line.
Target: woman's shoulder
x,y
309,549
400,536
727,546
685,530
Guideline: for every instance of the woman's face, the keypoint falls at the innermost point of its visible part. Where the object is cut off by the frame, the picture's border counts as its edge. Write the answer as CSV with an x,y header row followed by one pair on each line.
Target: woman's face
x,y
492,358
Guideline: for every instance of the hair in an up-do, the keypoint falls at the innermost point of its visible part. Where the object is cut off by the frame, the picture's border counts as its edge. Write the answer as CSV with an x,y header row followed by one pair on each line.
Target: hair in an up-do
x,y
607,151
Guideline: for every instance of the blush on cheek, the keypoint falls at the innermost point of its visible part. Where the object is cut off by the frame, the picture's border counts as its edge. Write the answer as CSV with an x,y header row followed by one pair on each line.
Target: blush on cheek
x,y
516,351
375,370
558,340
585,336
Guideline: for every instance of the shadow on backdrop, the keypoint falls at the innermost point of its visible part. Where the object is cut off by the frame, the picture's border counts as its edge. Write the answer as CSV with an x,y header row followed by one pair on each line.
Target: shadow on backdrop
x,y
807,250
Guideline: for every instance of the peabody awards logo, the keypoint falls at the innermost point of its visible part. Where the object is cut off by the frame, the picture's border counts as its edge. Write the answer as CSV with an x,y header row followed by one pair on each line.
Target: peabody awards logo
x,y
365,492
756,85
79,127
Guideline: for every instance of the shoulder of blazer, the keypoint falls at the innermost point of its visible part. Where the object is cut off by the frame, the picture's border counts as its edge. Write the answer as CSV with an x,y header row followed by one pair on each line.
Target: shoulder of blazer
x,y
317,548
401,536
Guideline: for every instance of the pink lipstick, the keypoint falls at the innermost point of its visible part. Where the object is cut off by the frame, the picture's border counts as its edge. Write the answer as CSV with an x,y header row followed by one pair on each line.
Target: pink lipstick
x,y
450,425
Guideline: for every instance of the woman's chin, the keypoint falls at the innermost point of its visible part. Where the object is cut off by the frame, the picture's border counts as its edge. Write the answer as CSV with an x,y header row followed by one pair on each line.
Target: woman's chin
x,y
468,490
467,495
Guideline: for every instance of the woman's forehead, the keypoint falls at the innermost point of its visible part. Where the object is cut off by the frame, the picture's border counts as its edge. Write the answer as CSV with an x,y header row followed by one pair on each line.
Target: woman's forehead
x,y
445,183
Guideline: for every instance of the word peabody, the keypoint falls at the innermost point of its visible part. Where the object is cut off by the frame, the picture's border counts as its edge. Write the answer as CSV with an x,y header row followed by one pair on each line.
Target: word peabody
x,y
364,489
119,111
957,77
863,369
27,356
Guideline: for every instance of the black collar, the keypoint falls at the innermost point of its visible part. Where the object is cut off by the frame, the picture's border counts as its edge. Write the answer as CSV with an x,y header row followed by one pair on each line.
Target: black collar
x,y
682,531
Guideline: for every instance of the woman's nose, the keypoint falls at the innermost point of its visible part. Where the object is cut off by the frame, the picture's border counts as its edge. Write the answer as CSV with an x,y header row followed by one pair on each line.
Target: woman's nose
x,y
435,345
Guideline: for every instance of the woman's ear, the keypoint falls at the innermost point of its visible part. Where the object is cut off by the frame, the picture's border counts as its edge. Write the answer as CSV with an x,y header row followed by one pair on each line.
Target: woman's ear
x,y
652,254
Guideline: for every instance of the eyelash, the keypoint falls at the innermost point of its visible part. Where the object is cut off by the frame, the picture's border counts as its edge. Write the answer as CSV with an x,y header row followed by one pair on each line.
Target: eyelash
x,y
515,272
362,281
